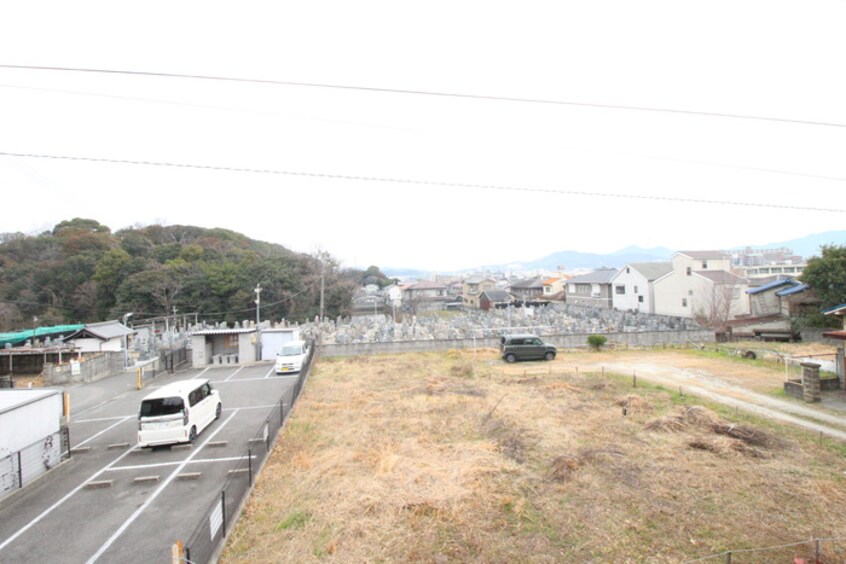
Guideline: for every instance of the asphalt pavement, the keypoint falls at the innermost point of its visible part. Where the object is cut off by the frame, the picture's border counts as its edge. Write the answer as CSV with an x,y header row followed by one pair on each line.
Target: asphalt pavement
x,y
114,502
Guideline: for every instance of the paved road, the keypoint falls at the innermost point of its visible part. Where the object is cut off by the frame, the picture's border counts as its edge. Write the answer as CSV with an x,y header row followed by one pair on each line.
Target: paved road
x,y
61,518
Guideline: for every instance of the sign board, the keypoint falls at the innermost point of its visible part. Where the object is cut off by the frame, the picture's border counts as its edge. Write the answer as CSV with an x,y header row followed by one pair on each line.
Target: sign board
x,y
76,369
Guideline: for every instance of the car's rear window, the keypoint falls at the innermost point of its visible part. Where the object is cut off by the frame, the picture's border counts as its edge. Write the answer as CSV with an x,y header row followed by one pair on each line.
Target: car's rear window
x,y
161,406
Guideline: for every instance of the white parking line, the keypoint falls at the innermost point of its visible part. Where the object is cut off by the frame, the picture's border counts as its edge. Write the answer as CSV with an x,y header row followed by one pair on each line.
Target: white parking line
x,y
200,374
239,380
268,406
178,462
50,509
109,428
156,493
101,419
271,371
233,374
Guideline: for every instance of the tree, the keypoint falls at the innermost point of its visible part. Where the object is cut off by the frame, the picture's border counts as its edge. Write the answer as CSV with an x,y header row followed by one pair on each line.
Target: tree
x,y
718,303
826,274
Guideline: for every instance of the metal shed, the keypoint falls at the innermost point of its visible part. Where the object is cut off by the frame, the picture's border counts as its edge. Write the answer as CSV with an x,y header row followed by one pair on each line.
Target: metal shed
x,y
30,435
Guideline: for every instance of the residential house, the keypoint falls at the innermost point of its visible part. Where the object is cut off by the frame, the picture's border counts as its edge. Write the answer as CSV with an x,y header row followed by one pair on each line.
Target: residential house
x,y
473,288
104,336
528,291
773,305
425,296
634,285
491,299
554,289
592,289
701,286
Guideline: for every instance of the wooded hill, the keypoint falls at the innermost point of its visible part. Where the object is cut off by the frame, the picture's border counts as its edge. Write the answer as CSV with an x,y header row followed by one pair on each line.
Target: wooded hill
x,y
82,272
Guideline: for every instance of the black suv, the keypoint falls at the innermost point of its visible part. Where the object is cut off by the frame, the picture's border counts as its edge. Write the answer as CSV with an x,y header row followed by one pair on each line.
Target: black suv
x,y
525,347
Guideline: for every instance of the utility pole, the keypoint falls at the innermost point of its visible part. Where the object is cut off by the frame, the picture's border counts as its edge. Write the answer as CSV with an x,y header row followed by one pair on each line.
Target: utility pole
x,y
258,304
322,285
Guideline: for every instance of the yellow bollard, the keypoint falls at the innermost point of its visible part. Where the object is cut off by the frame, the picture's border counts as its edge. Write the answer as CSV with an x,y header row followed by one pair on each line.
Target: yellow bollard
x,y
138,384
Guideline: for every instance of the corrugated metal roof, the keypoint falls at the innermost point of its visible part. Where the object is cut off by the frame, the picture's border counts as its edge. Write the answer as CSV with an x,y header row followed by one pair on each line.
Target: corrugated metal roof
x,y
223,331
772,285
836,310
835,335
797,289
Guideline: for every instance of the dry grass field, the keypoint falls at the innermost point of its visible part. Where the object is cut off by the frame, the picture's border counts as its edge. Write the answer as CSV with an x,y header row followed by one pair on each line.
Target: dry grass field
x,y
440,458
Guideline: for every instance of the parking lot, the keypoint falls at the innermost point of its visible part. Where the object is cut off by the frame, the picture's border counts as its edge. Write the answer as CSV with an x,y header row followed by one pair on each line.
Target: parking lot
x,y
115,502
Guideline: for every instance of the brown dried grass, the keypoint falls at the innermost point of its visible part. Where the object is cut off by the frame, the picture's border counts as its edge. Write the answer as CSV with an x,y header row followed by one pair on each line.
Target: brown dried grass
x,y
402,458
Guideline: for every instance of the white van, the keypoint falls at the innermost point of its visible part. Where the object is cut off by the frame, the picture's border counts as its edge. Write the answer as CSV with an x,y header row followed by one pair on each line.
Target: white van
x,y
290,359
177,413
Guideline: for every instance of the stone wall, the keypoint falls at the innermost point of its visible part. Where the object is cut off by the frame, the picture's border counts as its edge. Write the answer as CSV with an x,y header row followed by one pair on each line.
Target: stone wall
x,y
566,341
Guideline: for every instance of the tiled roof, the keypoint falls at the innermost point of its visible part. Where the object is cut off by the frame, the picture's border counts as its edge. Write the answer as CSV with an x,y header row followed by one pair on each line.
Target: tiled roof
x,y
652,270
104,330
704,254
426,285
549,281
721,276
530,283
497,295
601,276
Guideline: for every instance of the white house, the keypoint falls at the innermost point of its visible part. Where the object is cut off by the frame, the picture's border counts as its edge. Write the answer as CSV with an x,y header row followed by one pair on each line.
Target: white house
x,y
98,337
701,285
633,286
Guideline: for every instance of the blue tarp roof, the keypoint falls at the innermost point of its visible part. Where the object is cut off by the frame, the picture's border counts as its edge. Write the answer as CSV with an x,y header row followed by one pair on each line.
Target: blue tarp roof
x,y
20,337
836,309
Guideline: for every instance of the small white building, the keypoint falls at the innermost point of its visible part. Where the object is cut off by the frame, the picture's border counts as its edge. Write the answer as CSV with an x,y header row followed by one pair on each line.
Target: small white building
x,y
273,339
633,287
100,337
30,424
223,346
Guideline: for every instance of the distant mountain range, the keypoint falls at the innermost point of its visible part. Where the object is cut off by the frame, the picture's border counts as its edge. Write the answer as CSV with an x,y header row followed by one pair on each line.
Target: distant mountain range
x,y
574,260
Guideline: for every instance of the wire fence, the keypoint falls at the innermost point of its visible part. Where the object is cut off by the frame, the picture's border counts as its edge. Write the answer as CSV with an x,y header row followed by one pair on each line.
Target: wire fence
x,y
25,465
809,551
223,512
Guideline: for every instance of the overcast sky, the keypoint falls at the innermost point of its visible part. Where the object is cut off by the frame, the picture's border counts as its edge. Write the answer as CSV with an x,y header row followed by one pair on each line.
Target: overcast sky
x,y
494,180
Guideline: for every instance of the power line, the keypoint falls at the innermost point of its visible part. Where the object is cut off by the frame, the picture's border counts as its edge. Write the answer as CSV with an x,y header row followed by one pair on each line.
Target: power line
x,y
416,182
427,93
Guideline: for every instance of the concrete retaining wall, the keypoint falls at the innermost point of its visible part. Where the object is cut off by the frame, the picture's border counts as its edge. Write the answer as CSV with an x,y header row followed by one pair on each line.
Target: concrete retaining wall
x,y
570,341
91,369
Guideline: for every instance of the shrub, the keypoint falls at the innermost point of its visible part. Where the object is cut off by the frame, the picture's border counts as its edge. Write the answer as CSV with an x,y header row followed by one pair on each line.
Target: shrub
x,y
596,341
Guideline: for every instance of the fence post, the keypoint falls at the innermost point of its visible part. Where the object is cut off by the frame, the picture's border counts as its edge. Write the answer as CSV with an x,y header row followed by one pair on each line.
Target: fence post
x,y
817,551
250,464
728,557
20,471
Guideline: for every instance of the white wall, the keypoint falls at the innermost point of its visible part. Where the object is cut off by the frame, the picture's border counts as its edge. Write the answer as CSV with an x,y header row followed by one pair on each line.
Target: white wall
x,y
96,345
24,425
629,301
